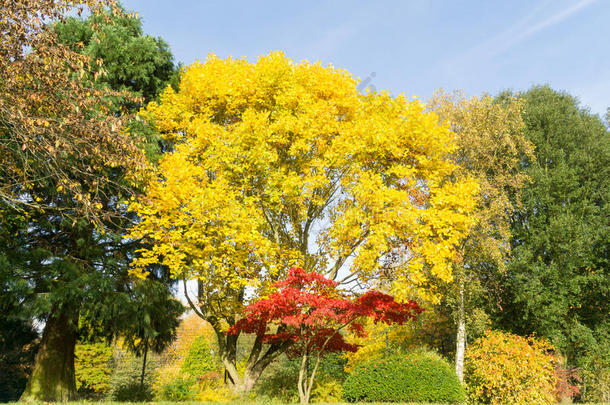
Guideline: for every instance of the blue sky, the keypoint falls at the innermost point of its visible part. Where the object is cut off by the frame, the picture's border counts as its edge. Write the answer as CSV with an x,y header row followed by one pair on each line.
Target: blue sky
x,y
413,47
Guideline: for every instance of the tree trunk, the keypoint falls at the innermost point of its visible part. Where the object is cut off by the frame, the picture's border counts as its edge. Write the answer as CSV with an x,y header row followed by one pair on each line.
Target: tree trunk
x,y
302,382
144,365
227,345
461,334
52,378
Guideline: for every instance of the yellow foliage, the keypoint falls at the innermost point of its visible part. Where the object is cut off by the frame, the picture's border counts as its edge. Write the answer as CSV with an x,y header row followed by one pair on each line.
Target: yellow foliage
x,y
491,147
508,369
279,163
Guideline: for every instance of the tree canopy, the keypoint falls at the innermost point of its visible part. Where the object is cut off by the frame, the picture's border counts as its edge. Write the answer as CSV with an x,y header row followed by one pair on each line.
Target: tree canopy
x,y
559,278
279,164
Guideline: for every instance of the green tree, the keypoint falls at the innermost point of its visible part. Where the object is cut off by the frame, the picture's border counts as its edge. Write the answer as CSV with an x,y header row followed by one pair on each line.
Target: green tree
x,y
18,339
67,168
199,359
558,283
128,58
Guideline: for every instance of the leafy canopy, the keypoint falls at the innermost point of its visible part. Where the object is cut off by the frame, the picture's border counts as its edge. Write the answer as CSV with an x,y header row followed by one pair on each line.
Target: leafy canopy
x,y
308,310
558,284
279,164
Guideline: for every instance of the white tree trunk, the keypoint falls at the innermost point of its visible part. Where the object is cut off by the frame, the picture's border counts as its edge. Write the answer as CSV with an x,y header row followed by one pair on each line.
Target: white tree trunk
x,y
461,334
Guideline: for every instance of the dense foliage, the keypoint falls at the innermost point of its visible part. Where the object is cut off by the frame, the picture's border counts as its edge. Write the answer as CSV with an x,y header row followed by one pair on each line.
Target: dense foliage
x,y
199,360
298,204
416,377
504,368
128,58
279,164
491,148
67,167
93,367
558,284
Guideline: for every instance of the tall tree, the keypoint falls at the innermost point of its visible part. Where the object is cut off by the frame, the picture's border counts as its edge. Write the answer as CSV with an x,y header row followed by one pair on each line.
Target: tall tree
x,y
559,278
491,147
67,167
278,163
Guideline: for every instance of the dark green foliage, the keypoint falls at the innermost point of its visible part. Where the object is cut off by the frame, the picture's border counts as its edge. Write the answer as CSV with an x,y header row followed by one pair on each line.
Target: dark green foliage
x,y
132,60
199,360
558,283
18,344
125,381
279,379
416,377
18,338
63,267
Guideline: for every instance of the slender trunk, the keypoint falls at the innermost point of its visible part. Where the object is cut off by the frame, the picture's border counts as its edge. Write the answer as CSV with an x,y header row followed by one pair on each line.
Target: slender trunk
x,y
52,378
461,334
305,380
302,382
144,364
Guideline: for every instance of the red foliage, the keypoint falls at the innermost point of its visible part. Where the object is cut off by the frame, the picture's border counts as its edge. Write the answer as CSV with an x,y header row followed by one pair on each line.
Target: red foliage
x,y
309,310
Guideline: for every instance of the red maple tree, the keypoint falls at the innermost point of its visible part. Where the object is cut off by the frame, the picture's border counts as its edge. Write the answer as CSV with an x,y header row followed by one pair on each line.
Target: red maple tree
x,y
308,311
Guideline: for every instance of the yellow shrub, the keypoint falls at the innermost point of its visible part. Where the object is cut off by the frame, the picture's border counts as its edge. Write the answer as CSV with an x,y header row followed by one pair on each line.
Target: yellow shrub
x,y
502,368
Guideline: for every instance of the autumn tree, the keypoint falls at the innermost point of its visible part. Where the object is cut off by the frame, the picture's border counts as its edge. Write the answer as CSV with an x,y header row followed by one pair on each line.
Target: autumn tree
x,y
67,165
558,282
308,313
491,147
279,164
55,129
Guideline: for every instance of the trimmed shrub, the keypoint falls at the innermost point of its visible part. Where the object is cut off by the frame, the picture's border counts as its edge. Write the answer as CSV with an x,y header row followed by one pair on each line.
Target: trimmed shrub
x,y
502,368
415,377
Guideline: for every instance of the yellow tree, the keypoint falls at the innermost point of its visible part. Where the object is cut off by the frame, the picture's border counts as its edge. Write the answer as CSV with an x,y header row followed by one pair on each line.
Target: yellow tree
x,y
279,164
491,145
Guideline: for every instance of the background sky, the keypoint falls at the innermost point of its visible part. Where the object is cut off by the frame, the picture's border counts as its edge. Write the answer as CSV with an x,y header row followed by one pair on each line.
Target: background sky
x,y
413,46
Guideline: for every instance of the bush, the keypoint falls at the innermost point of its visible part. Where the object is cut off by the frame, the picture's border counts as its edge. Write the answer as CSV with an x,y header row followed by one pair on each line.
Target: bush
x,y
415,377
93,367
199,360
503,368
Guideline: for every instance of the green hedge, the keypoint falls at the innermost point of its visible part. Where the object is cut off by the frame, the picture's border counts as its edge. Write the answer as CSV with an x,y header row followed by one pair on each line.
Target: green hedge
x,y
415,377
